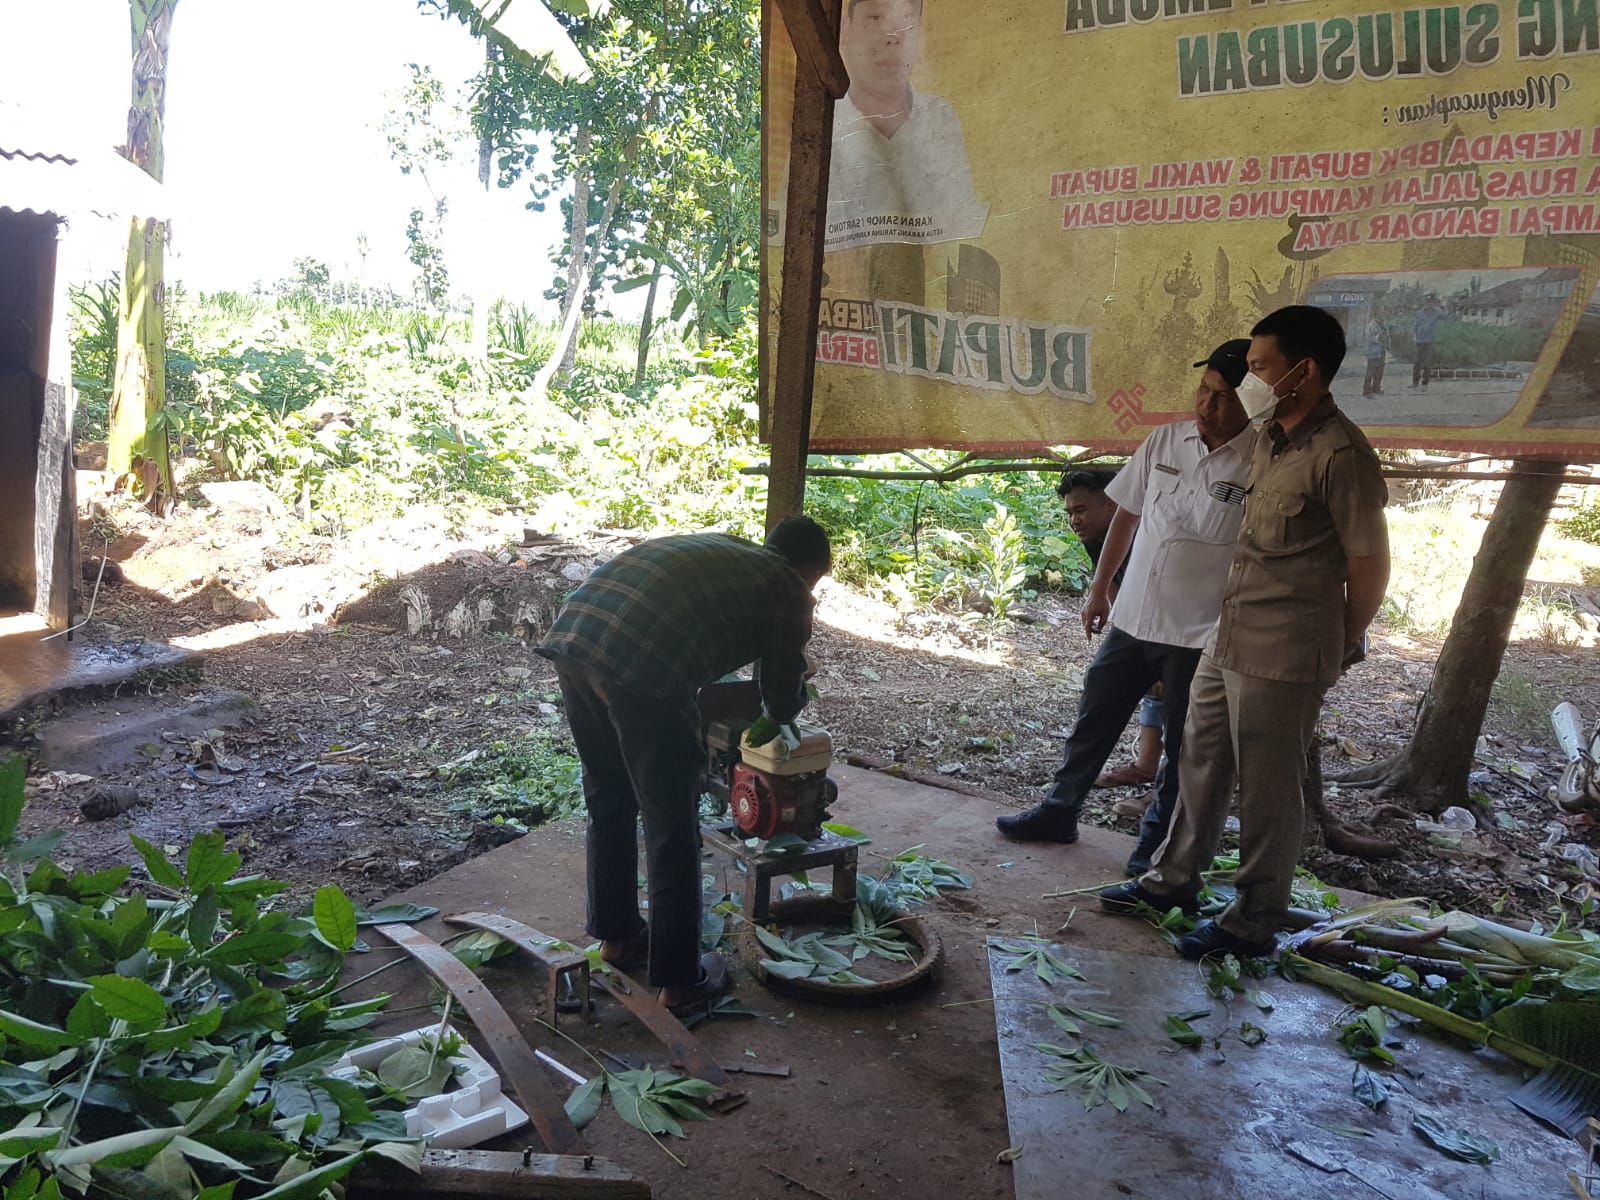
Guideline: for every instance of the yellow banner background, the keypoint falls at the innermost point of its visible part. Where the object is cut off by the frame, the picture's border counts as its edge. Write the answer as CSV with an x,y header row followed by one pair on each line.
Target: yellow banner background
x,y
1151,187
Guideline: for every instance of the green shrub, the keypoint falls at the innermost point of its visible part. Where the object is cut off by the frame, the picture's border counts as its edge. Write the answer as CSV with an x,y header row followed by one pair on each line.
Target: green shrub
x,y
1584,523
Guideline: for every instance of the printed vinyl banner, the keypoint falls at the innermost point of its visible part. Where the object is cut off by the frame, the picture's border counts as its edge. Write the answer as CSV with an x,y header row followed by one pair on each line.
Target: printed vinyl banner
x,y
1042,212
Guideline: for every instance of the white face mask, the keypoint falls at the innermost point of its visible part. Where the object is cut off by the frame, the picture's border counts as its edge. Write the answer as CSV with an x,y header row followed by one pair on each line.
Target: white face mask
x,y
1256,397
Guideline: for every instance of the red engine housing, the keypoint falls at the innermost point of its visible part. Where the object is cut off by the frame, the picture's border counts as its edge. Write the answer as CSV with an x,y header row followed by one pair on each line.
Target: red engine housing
x,y
763,806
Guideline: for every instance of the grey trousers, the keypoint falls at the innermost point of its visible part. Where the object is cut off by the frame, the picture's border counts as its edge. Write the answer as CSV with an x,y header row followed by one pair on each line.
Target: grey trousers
x,y
1253,731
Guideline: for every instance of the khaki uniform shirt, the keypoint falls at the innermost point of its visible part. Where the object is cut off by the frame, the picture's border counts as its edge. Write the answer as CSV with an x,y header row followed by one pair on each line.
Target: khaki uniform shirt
x,y
1315,499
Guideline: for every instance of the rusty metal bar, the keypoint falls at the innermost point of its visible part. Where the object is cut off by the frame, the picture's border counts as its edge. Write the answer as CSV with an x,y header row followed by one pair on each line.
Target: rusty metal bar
x,y
669,1031
505,1044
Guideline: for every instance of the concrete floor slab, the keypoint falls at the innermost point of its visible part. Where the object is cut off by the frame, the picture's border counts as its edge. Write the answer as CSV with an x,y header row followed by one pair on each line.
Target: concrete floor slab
x,y
1241,1122
882,1101
32,669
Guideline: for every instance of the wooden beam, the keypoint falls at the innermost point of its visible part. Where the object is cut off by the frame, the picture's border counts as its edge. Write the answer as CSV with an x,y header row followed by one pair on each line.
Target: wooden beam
x,y
499,1173
815,35
794,370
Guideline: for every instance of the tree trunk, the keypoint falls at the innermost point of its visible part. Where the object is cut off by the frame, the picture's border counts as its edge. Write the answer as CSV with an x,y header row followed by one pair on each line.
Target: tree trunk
x,y
646,323
1442,747
565,353
479,338
140,389
566,349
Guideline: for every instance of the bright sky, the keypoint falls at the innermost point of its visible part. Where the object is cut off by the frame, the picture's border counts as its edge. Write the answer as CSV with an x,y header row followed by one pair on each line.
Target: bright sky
x,y
273,147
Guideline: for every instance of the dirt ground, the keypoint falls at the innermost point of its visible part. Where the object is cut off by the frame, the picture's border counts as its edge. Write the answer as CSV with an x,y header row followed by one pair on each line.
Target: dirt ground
x,y
379,658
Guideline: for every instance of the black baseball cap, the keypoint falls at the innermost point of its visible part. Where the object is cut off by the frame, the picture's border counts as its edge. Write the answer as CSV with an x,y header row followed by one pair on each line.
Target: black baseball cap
x,y
1228,360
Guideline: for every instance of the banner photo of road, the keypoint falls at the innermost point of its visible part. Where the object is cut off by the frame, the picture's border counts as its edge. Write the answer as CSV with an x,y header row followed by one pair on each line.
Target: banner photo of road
x,y
1041,214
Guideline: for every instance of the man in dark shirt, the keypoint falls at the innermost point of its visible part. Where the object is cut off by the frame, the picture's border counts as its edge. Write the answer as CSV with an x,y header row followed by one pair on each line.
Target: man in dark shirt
x,y
632,648
1089,509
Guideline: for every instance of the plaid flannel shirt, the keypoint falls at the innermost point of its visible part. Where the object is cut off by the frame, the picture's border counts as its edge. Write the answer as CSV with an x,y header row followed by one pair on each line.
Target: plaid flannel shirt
x,y
668,616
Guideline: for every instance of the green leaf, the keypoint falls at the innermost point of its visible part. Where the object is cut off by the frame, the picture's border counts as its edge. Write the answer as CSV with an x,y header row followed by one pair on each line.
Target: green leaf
x,y
1262,1000
625,1099
209,861
32,1033
131,1000
40,845
1348,1131
203,919
1059,1016
13,778
416,1070
1090,1016
124,1150
584,1103
157,864
312,1184
777,945
130,922
1368,1087
335,917
1251,1034
1459,1143
407,1154
181,1037
480,947
786,968
265,948
234,1086
199,1151
1182,1032
784,843
22,1141
390,914
761,732
845,831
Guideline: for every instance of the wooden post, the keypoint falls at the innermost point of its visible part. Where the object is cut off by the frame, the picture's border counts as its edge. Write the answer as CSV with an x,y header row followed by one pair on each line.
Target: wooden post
x,y
810,152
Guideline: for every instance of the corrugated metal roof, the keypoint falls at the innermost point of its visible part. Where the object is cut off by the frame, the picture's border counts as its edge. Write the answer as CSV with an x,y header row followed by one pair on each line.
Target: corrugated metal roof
x,y
44,169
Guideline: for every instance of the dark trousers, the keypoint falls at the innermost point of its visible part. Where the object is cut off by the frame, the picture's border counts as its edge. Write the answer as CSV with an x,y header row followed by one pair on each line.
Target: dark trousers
x,y
1120,675
1374,380
641,758
1422,365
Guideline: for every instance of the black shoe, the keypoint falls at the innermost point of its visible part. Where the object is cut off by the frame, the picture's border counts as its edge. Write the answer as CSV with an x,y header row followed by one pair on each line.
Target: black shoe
x,y
714,981
1041,824
1126,897
1210,938
1136,867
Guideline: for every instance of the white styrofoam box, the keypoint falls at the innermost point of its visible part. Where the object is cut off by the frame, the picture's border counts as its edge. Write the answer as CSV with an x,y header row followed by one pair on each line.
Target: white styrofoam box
x,y
474,1112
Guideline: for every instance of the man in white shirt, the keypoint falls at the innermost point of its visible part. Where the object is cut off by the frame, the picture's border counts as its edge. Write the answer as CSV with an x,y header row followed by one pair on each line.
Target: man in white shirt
x,y
1183,493
899,171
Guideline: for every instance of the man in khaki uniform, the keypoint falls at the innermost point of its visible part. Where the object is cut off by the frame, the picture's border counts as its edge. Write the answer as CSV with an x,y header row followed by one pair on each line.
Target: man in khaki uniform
x,y
1309,572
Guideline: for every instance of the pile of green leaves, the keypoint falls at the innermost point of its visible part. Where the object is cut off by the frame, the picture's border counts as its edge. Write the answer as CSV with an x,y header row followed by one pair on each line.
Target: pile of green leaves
x,y
1369,1035
806,957
522,783
1094,1081
1035,953
913,876
175,1041
650,1100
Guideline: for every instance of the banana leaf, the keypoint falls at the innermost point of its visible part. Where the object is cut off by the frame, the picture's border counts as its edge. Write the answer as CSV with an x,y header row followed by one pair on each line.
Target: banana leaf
x,y
1567,1092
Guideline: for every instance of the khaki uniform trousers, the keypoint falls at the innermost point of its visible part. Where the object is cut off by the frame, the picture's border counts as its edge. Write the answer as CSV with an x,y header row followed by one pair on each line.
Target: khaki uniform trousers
x,y
1253,731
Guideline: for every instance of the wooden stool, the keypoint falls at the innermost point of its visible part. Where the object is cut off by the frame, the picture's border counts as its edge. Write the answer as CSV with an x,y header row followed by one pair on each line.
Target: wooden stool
x,y
761,868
